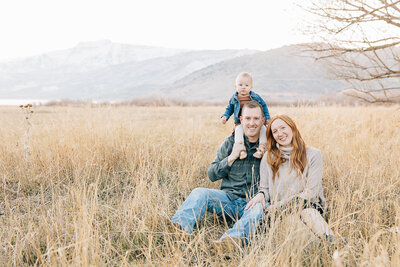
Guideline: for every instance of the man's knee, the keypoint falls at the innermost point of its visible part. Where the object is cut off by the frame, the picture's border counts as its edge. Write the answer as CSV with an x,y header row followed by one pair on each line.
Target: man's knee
x,y
199,193
257,209
256,212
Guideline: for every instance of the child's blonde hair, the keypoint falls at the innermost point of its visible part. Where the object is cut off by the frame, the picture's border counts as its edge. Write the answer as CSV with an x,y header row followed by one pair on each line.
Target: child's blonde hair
x,y
244,75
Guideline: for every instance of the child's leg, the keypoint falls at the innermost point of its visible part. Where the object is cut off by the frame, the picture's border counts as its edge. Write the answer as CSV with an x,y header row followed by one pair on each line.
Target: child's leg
x,y
239,134
239,139
263,135
262,143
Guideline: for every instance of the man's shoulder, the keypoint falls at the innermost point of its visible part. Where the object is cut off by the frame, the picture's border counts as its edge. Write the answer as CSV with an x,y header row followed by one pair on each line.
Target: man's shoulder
x,y
227,145
229,140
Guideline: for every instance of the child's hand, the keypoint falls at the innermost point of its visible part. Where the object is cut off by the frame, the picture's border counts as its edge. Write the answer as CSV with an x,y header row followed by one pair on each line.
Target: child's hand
x,y
223,120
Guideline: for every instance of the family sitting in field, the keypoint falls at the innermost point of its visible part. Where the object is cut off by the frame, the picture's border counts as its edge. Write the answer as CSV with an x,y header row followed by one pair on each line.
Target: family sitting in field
x,y
263,170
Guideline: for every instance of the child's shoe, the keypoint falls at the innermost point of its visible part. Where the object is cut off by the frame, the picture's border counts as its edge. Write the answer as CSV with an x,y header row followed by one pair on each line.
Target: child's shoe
x,y
243,154
260,151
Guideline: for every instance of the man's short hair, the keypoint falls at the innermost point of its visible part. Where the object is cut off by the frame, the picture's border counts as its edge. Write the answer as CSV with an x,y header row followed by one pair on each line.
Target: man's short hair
x,y
253,104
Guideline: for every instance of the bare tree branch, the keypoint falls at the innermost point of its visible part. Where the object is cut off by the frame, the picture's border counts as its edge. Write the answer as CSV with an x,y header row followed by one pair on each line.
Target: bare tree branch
x,y
361,45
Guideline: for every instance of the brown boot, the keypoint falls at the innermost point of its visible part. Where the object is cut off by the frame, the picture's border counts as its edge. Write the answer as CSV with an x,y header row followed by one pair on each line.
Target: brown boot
x,y
260,151
243,153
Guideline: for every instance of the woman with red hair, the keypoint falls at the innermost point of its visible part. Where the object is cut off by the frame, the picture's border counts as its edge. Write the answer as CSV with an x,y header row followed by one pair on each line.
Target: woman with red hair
x,y
291,173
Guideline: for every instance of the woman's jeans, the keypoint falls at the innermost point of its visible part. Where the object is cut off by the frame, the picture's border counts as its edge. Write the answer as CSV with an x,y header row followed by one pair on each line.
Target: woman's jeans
x,y
201,200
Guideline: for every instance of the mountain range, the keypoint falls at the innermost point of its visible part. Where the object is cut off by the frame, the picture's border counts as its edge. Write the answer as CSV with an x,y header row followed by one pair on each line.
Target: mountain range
x,y
105,70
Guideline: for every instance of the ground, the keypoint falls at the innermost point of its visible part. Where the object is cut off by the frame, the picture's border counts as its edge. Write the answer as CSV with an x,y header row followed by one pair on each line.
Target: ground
x,y
97,186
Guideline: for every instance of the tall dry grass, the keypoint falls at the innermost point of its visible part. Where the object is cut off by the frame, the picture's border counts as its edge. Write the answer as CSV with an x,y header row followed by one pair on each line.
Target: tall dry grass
x,y
103,182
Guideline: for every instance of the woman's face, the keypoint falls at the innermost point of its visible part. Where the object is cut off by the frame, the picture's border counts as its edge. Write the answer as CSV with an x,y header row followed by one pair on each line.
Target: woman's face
x,y
282,133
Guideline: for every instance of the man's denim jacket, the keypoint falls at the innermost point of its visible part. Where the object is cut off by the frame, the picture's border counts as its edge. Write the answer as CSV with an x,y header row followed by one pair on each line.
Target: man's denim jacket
x,y
234,107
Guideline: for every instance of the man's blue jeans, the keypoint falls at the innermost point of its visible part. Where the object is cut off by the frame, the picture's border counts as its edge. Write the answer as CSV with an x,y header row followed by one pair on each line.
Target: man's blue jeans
x,y
201,200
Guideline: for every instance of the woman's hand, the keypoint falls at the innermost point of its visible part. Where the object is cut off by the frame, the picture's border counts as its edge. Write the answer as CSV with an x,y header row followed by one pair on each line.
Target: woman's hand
x,y
259,198
271,209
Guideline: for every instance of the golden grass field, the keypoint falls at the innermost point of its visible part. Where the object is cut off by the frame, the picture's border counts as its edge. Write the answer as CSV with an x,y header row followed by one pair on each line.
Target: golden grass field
x,y
102,182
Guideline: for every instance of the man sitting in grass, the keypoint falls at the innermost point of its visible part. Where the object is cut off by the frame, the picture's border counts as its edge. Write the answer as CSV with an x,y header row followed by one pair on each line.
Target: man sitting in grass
x,y
240,180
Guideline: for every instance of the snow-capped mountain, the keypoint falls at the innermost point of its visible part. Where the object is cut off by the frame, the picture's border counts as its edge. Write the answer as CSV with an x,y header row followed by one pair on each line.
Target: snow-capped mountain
x,y
87,56
104,70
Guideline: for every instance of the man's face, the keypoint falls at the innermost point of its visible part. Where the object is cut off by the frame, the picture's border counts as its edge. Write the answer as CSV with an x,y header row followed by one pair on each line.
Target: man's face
x,y
252,119
243,86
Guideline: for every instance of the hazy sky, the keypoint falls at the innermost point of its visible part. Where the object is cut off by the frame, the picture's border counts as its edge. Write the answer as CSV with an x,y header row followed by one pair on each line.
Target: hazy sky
x,y
33,27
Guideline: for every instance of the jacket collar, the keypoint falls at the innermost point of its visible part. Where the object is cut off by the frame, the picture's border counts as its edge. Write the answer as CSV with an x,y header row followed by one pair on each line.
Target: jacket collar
x,y
237,98
246,141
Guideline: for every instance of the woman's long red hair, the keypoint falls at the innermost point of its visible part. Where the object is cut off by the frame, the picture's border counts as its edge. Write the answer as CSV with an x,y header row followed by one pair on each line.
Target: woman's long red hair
x,y
298,158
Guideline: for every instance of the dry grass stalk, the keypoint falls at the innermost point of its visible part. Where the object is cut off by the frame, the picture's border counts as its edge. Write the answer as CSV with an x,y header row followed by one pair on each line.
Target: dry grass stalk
x,y
109,178
27,110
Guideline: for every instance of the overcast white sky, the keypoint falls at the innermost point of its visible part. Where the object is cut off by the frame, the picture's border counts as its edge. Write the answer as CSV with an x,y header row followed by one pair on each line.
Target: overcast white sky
x,y
32,27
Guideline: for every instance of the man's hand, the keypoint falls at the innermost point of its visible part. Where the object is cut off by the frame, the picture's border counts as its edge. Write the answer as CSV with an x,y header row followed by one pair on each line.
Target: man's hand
x,y
259,198
223,120
234,154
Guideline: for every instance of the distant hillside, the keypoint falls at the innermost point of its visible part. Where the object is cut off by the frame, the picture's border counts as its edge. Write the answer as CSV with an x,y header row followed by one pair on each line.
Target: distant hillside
x,y
109,71
279,74
87,56
104,70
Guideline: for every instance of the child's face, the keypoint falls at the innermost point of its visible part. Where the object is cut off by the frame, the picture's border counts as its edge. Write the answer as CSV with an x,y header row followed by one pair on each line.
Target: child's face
x,y
243,86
